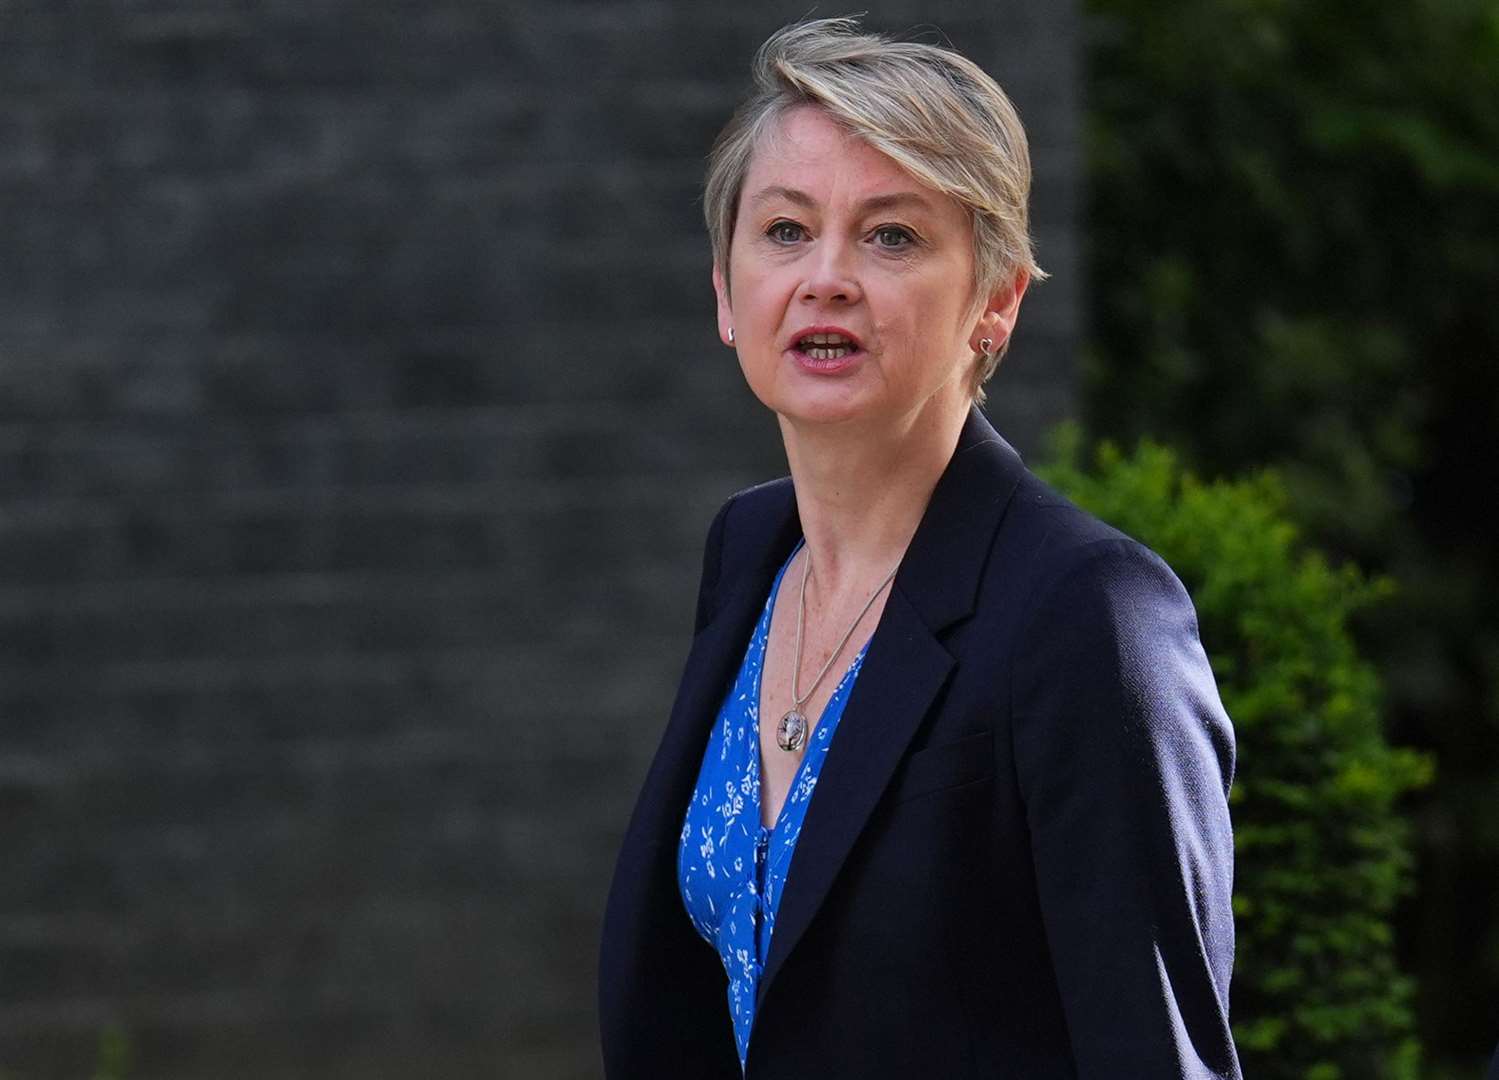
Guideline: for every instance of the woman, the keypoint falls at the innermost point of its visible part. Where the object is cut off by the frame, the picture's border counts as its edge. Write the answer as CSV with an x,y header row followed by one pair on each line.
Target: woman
x,y
1018,859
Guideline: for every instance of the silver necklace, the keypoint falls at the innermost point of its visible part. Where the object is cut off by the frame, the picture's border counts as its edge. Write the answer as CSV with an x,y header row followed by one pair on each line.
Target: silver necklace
x,y
791,732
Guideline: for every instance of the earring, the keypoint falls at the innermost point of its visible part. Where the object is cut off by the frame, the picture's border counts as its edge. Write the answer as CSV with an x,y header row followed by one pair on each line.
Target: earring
x,y
986,345
731,335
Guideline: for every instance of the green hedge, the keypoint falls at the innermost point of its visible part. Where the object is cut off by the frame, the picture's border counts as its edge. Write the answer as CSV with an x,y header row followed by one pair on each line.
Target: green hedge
x,y
1321,855
1291,253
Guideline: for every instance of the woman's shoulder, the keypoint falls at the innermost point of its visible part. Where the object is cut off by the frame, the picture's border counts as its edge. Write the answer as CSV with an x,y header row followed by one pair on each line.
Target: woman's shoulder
x,y
1058,525
759,501
753,522
1063,546
750,529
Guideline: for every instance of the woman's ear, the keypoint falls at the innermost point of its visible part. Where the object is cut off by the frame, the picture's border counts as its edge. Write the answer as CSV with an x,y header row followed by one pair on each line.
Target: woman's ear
x,y
725,313
1001,310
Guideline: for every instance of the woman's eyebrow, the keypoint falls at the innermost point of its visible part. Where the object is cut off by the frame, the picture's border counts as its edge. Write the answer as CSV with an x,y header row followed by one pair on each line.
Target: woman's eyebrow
x,y
875,202
785,194
899,199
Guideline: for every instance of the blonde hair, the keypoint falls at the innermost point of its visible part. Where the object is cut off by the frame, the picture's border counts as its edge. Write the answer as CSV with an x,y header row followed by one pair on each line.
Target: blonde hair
x,y
931,110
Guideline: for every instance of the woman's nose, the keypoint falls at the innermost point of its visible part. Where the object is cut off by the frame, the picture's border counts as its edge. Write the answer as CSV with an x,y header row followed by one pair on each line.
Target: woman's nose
x,y
831,274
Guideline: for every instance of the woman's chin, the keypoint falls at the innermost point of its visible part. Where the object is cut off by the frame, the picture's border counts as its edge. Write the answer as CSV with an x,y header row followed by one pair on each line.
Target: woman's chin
x,y
824,408
823,391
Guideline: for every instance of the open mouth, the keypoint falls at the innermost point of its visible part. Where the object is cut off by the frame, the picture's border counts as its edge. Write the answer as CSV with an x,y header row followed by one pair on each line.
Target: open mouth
x,y
826,346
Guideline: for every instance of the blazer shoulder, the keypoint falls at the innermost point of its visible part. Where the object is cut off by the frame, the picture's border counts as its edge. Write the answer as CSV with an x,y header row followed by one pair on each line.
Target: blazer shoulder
x,y
1057,520
1059,540
753,519
742,536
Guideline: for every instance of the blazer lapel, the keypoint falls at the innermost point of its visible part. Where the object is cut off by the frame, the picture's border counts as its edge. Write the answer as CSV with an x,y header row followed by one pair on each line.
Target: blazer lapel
x,y
716,653
653,968
644,906
904,669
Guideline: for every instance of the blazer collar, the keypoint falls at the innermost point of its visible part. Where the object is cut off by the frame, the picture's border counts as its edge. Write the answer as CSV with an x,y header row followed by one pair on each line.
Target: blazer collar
x,y
945,562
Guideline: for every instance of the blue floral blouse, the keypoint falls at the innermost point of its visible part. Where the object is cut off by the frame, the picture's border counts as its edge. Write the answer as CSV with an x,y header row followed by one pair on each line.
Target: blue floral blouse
x,y
730,868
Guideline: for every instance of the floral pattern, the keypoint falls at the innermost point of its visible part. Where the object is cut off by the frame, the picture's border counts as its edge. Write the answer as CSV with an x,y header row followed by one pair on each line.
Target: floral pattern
x,y
730,868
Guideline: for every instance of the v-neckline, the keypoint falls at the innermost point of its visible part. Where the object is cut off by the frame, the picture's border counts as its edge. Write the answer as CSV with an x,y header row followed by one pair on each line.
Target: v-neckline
x,y
766,831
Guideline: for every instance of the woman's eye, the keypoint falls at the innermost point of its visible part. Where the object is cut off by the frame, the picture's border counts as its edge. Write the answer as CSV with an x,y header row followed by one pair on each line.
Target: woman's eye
x,y
893,236
787,232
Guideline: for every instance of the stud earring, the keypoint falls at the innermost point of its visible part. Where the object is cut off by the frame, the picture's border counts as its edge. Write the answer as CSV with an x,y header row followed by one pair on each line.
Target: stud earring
x,y
731,335
986,345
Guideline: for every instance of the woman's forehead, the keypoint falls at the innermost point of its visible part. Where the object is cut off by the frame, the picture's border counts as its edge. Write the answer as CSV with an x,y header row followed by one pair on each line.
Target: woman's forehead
x,y
806,157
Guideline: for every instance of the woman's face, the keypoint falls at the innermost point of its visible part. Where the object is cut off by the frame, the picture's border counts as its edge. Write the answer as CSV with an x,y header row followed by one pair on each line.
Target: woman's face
x,y
833,236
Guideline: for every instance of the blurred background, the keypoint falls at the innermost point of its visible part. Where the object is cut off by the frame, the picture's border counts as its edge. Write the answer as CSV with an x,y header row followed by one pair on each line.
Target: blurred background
x,y
362,414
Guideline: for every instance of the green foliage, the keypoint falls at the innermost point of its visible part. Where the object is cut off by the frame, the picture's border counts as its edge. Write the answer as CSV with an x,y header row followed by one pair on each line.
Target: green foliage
x,y
1321,855
1293,209
114,1054
113,1058
1293,256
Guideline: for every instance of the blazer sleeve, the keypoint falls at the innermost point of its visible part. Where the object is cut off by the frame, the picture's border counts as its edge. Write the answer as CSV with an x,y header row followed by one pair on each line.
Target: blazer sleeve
x,y
1124,756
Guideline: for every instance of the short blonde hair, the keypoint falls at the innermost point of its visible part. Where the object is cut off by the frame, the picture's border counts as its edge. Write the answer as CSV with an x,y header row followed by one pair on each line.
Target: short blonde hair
x,y
932,111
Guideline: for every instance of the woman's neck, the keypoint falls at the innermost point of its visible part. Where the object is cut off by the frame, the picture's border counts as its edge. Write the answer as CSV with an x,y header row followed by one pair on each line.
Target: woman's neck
x,y
861,492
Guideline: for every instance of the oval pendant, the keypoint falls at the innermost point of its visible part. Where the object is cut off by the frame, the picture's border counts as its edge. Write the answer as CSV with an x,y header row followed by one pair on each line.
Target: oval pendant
x,y
791,732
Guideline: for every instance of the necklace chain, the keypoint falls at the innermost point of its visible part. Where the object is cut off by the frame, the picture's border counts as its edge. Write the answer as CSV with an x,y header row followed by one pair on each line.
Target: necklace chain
x,y
801,617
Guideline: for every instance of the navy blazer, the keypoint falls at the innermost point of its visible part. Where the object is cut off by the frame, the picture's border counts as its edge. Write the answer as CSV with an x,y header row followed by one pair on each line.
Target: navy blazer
x,y
1018,861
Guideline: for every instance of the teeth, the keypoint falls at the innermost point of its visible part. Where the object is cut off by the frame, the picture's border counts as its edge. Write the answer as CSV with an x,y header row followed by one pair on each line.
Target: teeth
x,y
826,346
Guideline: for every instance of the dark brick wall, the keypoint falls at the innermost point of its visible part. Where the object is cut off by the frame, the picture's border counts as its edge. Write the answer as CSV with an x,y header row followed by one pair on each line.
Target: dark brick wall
x,y
361,415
